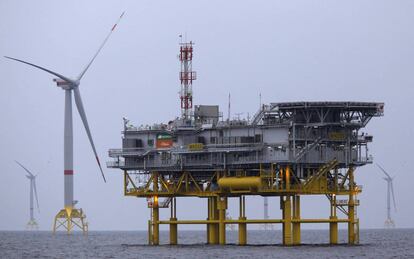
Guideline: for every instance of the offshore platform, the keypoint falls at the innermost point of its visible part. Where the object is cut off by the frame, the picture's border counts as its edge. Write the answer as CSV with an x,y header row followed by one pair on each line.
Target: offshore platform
x,y
287,149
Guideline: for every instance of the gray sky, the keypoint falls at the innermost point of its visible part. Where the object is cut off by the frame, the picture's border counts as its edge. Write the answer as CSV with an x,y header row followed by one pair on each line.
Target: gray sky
x,y
286,50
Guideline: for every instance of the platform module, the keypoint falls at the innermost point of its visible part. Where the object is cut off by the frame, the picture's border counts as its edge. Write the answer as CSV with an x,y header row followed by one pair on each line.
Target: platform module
x,y
287,150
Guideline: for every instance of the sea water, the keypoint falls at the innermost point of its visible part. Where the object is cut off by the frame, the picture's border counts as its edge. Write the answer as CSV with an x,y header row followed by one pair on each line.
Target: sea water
x,y
381,243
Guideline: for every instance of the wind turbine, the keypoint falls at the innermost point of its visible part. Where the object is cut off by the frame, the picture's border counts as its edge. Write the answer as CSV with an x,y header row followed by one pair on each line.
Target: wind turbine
x,y
70,216
266,226
389,222
32,224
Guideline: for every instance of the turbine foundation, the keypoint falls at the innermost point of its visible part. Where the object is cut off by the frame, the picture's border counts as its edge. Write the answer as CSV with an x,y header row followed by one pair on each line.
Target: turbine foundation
x,y
32,225
70,219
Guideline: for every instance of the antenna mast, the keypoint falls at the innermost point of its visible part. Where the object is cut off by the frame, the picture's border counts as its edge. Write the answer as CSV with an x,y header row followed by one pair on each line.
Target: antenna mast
x,y
187,75
228,111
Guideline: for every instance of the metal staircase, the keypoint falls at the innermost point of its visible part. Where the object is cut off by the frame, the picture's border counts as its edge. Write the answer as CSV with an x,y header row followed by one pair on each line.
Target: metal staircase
x,y
321,171
306,149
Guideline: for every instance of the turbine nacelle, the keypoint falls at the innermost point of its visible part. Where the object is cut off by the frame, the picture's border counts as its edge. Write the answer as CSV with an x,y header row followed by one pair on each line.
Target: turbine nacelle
x,y
66,85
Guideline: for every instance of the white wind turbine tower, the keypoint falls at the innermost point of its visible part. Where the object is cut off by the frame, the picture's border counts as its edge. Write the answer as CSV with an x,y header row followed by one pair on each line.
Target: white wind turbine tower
x,y
69,217
32,224
266,226
389,222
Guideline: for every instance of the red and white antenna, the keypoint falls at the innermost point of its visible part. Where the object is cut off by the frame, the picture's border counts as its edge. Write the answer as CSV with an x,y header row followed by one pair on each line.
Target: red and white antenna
x,y
187,75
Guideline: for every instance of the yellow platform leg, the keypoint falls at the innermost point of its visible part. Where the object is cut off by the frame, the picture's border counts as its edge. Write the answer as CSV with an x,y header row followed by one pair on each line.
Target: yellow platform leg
x,y
208,224
351,208
173,232
213,227
242,226
155,226
222,206
296,215
149,232
333,226
208,218
155,213
287,221
173,227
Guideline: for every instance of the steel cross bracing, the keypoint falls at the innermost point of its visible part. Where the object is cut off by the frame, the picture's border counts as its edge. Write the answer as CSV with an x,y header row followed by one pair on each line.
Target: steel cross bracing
x,y
270,180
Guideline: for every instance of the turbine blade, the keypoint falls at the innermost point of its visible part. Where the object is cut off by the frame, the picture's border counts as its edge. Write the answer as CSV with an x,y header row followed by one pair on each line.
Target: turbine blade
x,y
393,197
382,169
81,110
100,48
42,68
35,191
24,168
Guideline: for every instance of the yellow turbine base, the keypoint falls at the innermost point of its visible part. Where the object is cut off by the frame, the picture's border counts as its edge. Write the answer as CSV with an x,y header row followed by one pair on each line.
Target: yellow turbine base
x,y
69,219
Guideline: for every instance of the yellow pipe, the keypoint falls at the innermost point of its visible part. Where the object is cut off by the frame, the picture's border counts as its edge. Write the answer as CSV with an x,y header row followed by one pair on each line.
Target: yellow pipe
x,y
240,182
320,220
252,221
247,221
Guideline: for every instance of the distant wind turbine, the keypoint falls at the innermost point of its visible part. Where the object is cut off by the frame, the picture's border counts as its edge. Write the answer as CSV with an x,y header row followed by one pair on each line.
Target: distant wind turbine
x,y
389,222
72,85
266,226
32,224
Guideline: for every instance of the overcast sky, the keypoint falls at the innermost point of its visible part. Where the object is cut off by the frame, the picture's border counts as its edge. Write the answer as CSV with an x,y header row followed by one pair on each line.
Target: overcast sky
x,y
285,50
